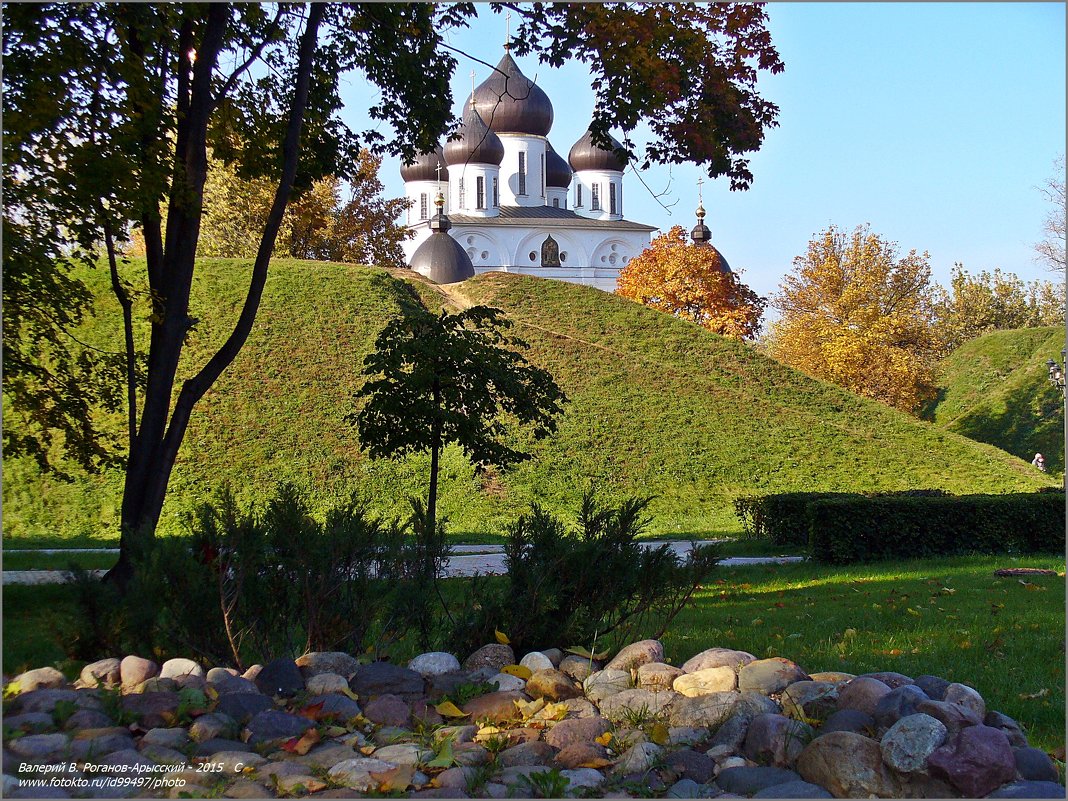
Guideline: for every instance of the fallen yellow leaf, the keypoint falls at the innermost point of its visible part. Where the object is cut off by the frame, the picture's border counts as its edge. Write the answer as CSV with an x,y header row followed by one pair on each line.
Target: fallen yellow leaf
x,y
519,671
449,710
605,739
502,638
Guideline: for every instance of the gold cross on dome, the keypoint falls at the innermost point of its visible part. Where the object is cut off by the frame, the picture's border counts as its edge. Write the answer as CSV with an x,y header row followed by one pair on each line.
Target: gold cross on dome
x,y
700,182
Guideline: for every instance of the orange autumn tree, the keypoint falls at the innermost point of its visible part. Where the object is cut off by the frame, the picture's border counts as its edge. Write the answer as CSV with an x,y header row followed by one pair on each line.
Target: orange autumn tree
x,y
855,314
689,281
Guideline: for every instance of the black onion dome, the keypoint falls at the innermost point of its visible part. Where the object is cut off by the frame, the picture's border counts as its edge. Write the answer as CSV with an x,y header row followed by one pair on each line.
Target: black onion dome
x,y
585,155
510,102
477,144
557,172
424,168
441,258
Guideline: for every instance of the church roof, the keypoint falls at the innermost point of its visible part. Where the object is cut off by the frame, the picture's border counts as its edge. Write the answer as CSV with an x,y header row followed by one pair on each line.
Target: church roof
x,y
425,167
441,258
546,217
510,102
585,155
477,144
557,172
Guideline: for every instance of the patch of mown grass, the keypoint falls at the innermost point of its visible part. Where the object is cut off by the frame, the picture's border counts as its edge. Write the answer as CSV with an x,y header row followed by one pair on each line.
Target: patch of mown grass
x,y
33,621
947,617
658,407
58,561
996,389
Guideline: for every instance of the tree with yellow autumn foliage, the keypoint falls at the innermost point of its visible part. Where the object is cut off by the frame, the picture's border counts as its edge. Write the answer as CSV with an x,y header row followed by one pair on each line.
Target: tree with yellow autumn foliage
x,y
692,282
855,314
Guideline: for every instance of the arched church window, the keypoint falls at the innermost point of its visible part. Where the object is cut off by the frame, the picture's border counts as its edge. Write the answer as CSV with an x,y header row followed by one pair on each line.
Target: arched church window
x,y
550,252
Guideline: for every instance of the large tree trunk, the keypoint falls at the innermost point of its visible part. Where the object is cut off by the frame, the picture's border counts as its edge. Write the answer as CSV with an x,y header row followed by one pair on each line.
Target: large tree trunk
x,y
154,450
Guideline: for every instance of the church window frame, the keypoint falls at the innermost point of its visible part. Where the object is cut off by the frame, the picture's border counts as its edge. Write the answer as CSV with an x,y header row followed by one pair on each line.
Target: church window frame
x,y
463,194
612,198
578,196
480,192
543,175
595,197
423,206
496,193
521,176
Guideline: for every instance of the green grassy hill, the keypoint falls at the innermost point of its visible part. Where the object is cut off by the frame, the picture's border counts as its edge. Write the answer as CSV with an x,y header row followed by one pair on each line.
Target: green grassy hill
x,y
658,406
996,389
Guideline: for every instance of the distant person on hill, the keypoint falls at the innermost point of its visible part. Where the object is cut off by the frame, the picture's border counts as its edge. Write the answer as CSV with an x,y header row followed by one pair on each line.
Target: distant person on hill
x,y
1040,462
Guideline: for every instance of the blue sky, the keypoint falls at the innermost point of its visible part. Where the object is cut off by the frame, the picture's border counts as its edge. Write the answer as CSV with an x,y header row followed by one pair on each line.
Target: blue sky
x,y
933,122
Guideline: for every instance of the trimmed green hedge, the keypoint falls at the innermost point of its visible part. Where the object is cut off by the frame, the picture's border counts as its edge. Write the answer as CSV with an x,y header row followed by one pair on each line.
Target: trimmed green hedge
x,y
856,529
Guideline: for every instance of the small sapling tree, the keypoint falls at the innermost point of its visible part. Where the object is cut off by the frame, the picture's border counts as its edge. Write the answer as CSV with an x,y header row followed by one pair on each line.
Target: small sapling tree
x,y
446,378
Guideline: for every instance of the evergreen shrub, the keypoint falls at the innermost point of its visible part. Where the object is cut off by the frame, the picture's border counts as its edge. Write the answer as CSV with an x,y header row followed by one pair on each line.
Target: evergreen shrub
x,y
855,529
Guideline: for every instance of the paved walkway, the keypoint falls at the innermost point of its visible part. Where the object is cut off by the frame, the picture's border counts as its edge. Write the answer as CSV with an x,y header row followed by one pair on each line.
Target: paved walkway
x,y
465,561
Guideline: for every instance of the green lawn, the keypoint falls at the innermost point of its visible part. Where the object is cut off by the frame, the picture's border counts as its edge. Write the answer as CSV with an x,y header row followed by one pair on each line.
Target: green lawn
x,y
948,617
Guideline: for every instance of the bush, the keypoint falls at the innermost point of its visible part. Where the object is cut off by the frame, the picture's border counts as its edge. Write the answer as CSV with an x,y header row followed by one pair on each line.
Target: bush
x,y
844,530
594,584
246,586
782,519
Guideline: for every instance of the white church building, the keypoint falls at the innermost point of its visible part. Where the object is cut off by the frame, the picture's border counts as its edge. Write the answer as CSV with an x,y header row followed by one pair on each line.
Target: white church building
x,y
511,202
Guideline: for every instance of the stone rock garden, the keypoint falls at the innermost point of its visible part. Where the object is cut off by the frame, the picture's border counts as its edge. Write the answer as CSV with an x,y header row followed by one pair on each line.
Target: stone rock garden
x,y
551,724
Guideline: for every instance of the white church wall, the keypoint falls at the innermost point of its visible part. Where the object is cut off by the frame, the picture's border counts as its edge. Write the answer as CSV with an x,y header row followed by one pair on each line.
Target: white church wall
x,y
464,189
421,195
607,182
533,150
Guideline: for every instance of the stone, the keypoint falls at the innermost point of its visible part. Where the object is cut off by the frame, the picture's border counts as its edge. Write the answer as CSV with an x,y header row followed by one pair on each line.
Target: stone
x,y
211,726
266,770
175,738
380,678
749,780
977,760
135,671
301,784
815,700
335,707
718,657
325,683
455,778
1017,739
45,701
356,773
689,764
582,778
517,773
536,661
162,755
45,678
235,685
281,678
731,735
910,740
862,694
102,673
494,707
404,754
246,788
657,676
38,746
471,754
219,674
848,720
87,719
272,725
34,721
794,789
458,734
316,662
934,686
551,685
151,709
580,708
704,710
889,678
638,758
582,754
242,707
686,735
688,788
896,704
95,743
967,697
1029,789
156,685
952,716
638,706
577,667
434,663
578,730
846,764
604,683
220,745
533,752
637,654
776,740
769,676
506,682
234,761
387,710
494,655
705,681
833,676
750,704
173,668
1034,764
325,755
